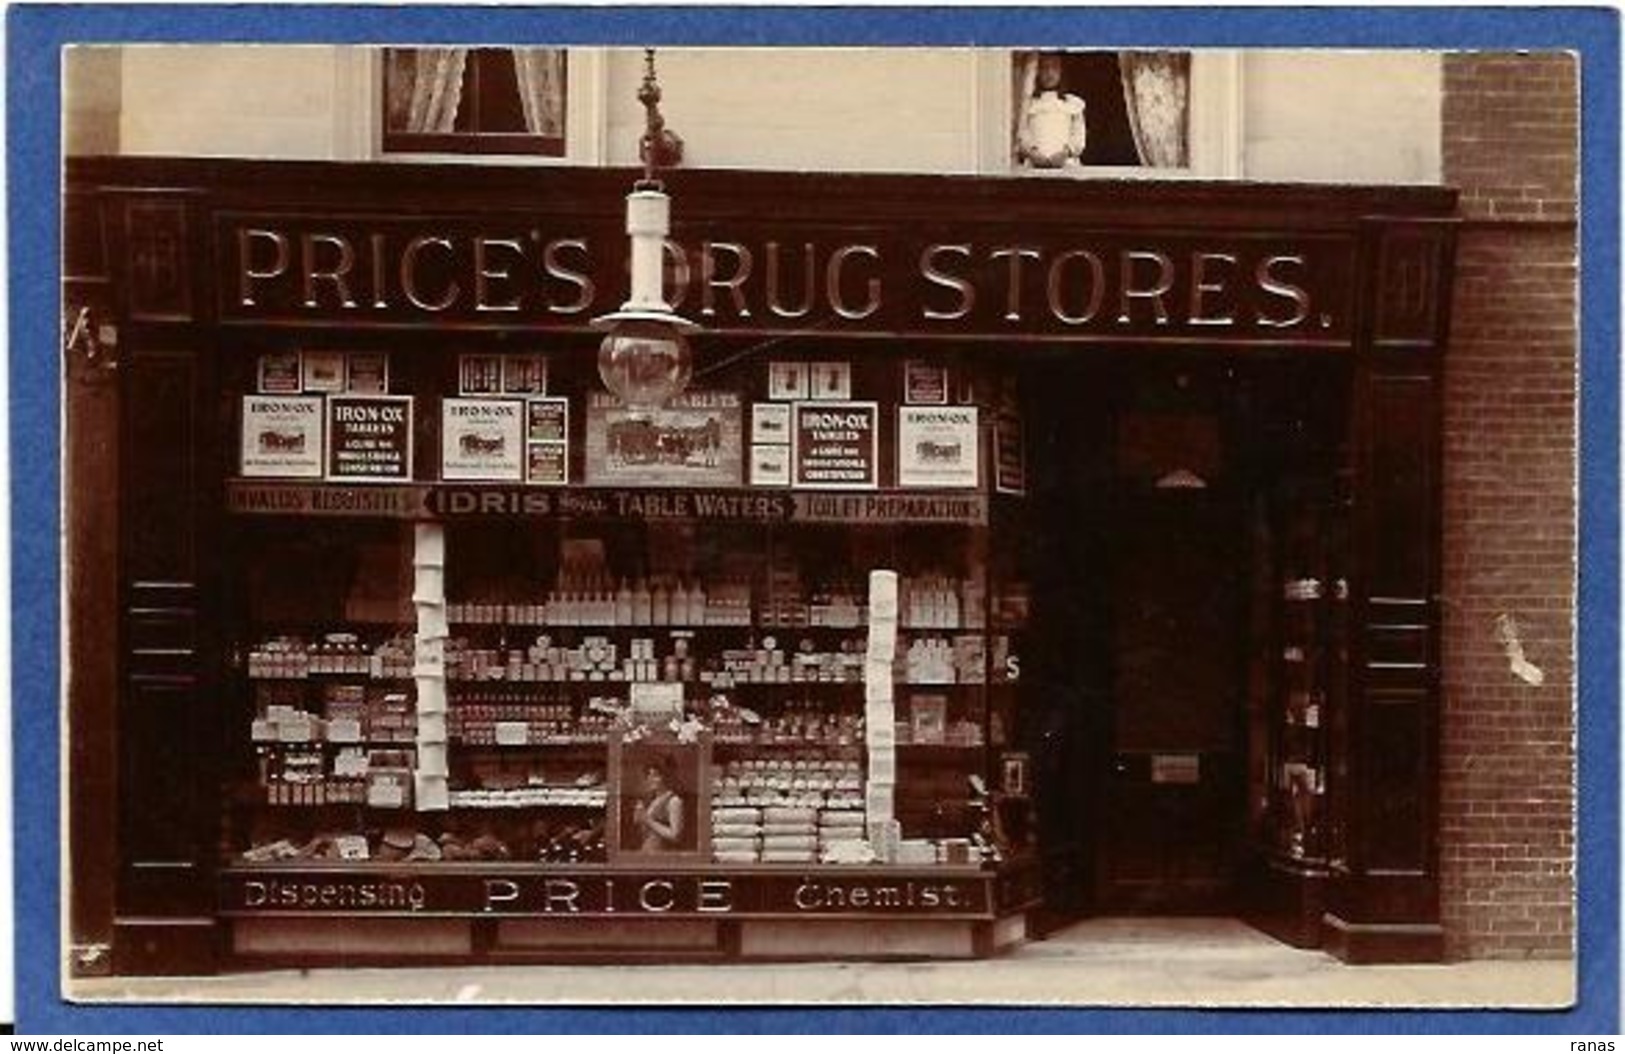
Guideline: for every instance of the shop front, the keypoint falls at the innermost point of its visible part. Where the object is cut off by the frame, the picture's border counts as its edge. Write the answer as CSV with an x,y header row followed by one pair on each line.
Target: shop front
x,y
1020,550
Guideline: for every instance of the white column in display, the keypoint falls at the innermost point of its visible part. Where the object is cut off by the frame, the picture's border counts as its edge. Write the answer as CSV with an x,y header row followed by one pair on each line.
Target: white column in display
x,y
431,790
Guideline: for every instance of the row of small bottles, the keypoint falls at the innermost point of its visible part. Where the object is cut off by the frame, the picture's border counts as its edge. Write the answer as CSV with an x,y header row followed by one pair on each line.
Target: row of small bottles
x,y
924,602
939,602
592,601
596,601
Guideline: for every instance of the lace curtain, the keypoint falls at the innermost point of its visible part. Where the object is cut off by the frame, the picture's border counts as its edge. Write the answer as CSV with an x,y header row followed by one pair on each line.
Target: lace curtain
x,y
1156,91
541,88
1023,79
425,87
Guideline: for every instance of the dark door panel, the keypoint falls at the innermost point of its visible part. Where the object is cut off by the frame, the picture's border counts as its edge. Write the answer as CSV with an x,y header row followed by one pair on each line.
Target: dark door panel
x,y
1172,789
1168,839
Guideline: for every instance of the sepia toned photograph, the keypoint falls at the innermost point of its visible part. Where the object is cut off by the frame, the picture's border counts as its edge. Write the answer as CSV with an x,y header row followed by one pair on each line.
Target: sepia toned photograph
x,y
1153,585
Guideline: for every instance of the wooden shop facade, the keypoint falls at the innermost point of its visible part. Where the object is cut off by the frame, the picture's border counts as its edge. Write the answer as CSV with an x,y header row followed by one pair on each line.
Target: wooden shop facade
x,y
1021,550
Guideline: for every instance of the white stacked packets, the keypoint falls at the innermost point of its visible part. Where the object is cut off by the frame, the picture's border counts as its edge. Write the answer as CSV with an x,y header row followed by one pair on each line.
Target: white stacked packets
x,y
431,791
879,716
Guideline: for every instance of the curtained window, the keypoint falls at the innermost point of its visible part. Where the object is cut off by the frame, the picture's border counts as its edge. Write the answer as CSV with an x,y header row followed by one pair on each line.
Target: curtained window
x,y
1077,109
475,100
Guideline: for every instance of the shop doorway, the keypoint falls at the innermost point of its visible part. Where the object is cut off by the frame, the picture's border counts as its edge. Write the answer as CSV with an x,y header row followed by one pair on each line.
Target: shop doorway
x,y
1144,479
1169,826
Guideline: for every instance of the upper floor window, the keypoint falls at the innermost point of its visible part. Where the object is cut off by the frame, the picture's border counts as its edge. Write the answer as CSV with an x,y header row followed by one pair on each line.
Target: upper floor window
x,y
475,101
1123,109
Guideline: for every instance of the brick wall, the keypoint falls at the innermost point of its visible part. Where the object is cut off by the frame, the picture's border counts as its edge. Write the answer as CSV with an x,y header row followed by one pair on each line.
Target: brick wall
x,y
1507,806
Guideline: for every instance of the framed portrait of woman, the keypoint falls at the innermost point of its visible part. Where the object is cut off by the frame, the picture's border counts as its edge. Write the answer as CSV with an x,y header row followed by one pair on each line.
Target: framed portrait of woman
x,y
659,799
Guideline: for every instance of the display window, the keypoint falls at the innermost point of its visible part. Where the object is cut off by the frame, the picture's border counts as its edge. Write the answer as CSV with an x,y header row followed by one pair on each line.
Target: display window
x,y
663,667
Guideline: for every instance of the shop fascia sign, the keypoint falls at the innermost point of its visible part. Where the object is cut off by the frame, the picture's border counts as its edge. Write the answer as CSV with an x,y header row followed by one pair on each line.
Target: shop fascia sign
x,y
565,895
253,497
1099,284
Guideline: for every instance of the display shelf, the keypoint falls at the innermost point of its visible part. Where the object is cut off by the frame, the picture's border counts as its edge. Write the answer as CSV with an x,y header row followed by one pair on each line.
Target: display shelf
x,y
454,683
1303,709
475,801
808,746
721,745
380,744
395,812
753,628
359,678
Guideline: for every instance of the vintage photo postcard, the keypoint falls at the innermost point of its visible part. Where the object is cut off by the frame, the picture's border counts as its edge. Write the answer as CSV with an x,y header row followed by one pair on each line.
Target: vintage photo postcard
x,y
1153,584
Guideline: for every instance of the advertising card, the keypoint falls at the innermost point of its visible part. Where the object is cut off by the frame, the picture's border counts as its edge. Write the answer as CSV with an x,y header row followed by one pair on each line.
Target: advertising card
x,y
524,375
323,371
829,380
924,383
937,446
366,373
282,436
769,465
787,380
482,440
479,375
280,373
369,439
836,445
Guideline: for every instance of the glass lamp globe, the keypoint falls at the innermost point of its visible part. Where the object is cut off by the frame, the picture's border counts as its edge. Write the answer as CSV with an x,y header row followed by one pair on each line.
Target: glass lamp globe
x,y
645,363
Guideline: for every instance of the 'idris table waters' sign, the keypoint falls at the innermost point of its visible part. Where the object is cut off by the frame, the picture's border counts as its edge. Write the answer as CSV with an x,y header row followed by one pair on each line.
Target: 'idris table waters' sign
x,y
1045,282
451,501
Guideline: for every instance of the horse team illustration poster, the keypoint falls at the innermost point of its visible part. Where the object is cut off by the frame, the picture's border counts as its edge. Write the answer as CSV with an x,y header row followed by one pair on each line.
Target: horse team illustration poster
x,y
693,441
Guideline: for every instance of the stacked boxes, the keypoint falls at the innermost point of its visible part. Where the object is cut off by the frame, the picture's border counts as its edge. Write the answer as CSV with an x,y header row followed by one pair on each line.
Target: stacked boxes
x,y
736,834
842,838
789,835
800,783
285,658
430,783
346,706
782,810
390,718
880,715
596,658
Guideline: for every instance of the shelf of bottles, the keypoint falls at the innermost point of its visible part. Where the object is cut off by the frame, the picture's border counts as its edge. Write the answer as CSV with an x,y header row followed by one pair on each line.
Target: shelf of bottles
x,y
1312,607
482,732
